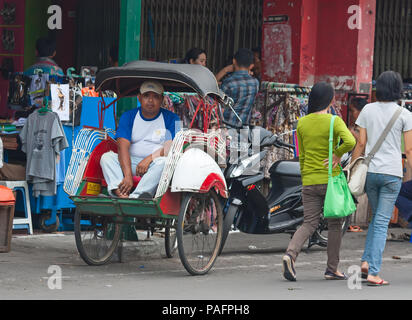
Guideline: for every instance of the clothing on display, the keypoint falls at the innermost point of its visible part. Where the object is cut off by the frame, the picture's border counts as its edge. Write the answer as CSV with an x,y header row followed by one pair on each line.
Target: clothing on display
x,y
277,108
42,140
194,112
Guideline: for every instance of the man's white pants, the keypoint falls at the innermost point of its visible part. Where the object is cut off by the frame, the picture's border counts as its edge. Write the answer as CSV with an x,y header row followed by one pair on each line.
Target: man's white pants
x,y
113,174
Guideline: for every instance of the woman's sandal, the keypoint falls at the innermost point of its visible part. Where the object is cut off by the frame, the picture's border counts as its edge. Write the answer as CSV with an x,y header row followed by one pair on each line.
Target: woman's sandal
x,y
377,284
364,273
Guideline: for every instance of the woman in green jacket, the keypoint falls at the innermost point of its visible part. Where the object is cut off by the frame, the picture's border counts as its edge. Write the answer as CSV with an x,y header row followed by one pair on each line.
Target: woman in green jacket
x,y
313,139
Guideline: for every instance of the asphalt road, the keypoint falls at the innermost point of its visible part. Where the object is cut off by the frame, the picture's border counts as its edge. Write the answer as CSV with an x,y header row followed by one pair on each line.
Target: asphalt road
x,y
248,269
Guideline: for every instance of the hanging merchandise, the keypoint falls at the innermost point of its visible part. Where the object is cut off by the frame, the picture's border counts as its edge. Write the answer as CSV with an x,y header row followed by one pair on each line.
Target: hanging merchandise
x,y
38,87
277,108
18,97
42,140
194,112
8,40
8,13
60,95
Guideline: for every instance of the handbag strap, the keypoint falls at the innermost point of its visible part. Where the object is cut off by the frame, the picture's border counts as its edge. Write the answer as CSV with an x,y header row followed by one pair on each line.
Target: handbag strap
x,y
382,138
332,123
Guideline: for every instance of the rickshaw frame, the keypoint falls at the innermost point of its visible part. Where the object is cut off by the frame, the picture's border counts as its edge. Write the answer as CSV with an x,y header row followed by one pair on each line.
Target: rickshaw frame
x,y
170,209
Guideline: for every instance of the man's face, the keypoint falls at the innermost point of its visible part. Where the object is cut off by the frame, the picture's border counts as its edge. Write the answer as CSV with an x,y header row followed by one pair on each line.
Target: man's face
x,y
151,103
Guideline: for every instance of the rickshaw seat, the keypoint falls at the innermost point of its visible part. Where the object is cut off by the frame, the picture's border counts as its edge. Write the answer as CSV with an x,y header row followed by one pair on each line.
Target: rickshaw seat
x,y
93,172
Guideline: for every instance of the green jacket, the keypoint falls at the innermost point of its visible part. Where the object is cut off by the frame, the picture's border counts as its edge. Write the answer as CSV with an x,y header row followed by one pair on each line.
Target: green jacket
x,y
313,139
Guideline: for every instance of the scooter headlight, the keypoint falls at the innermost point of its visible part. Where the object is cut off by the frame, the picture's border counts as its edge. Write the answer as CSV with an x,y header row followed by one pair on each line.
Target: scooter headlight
x,y
246,166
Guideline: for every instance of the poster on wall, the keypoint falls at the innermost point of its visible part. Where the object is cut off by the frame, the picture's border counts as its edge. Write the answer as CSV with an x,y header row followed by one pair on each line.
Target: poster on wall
x,y
60,94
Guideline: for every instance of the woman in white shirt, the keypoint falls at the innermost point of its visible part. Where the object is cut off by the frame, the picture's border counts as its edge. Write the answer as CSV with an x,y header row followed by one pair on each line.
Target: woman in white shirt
x,y
385,172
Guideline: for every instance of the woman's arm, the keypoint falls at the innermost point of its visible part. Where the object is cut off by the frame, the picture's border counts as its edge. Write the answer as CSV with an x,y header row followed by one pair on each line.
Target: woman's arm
x,y
349,140
361,145
301,150
408,146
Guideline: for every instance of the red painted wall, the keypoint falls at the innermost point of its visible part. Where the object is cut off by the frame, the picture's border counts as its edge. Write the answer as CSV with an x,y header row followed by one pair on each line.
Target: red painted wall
x,y
280,57
323,47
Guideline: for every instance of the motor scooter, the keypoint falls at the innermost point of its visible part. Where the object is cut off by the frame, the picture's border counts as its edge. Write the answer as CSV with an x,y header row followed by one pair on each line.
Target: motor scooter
x,y
253,211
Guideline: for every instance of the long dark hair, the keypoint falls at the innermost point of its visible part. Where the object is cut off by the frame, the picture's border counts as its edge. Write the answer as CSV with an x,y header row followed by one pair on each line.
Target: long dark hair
x,y
193,54
320,97
389,86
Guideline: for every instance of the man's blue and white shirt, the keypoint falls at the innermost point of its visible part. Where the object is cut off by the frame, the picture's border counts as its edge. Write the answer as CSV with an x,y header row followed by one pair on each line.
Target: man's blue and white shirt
x,y
147,135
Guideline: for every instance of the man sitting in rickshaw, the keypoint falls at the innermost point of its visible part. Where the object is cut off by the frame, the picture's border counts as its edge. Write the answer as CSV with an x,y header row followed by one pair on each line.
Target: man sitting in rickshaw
x,y
144,137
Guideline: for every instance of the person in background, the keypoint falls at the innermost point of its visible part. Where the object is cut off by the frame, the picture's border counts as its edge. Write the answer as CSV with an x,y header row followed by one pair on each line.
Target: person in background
x,y
45,52
240,86
355,108
313,139
385,173
257,63
404,204
196,56
114,56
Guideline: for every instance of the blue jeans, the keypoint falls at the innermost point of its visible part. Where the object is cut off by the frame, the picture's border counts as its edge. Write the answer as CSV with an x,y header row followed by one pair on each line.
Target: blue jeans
x,y
382,191
113,174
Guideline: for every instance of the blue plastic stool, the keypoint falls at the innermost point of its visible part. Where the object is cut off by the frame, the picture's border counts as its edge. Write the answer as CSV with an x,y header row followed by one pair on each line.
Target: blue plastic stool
x,y
26,222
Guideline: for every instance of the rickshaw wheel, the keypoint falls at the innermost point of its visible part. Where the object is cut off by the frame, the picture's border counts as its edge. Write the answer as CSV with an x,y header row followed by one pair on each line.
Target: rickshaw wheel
x,y
199,232
97,237
170,239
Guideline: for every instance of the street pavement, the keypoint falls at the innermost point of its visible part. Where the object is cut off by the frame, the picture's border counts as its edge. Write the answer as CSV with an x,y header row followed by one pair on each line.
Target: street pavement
x,y
248,269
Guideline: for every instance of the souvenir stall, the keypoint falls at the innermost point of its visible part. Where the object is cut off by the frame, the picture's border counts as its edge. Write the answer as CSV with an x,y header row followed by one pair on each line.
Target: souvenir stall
x,y
71,103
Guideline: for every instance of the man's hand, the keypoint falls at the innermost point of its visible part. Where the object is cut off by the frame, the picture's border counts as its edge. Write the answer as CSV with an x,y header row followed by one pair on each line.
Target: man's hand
x,y
335,161
143,166
126,186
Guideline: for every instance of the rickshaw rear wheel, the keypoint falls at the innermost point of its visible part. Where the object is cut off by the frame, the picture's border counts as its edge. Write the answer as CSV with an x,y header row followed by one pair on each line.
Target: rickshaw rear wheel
x,y
199,231
97,237
170,239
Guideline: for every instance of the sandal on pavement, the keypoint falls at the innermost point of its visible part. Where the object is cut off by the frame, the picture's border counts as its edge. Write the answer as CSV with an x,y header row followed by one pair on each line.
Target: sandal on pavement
x,y
289,272
377,284
329,275
355,229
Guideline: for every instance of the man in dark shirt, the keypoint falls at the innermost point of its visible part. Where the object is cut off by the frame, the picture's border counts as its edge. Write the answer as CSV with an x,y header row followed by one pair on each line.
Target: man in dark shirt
x,y
240,86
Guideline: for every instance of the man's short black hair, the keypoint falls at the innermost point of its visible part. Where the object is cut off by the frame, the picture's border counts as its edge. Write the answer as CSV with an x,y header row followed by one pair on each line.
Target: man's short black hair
x,y
244,58
389,86
359,103
45,47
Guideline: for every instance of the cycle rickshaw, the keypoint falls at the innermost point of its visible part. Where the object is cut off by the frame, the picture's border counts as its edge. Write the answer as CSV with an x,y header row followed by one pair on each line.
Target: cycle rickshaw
x,y
187,204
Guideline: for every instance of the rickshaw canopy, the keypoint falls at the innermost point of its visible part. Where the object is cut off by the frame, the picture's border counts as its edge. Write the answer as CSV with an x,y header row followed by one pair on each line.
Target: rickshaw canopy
x,y
126,80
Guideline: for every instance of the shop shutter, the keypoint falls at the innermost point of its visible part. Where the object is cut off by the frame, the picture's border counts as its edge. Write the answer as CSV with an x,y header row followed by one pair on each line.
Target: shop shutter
x,y
97,31
171,27
393,44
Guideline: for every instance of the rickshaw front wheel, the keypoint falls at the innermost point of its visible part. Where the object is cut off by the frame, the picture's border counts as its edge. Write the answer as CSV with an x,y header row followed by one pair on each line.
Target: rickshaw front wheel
x,y
97,237
199,231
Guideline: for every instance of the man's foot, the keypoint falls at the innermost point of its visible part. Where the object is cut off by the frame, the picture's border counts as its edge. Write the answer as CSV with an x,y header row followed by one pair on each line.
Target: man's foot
x,y
118,194
289,268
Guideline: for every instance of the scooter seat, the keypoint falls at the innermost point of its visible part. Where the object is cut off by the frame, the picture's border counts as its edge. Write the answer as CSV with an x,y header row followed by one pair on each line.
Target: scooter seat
x,y
286,168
